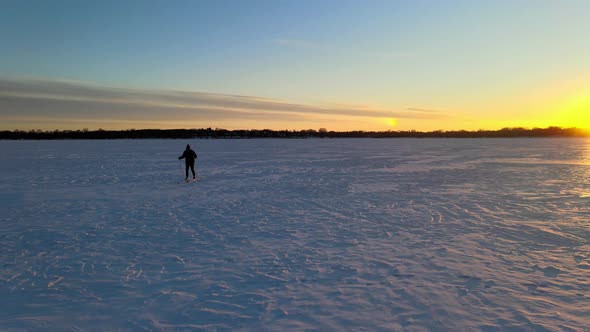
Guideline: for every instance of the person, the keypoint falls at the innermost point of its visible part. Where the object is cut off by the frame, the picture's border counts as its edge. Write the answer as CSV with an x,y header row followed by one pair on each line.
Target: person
x,y
189,157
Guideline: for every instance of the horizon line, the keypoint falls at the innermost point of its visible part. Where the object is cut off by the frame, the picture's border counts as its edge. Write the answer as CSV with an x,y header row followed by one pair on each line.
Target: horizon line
x,y
321,129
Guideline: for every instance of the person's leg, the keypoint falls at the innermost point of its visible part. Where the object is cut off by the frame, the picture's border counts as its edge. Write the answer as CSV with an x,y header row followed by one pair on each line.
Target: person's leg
x,y
186,172
193,170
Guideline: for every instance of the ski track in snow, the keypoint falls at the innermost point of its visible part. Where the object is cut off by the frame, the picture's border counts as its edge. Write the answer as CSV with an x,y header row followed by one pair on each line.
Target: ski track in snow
x,y
344,234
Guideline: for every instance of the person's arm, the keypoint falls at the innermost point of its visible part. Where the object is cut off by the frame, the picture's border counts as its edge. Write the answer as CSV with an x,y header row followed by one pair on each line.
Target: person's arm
x,y
183,155
195,154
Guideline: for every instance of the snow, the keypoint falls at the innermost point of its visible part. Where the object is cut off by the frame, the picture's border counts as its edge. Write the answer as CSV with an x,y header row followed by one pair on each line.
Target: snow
x,y
343,234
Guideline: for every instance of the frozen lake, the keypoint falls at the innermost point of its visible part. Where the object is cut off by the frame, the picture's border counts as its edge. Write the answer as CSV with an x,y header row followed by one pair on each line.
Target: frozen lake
x,y
344,234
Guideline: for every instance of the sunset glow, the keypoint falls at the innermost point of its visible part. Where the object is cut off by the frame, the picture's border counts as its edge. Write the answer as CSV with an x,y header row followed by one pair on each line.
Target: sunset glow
x,y
576,112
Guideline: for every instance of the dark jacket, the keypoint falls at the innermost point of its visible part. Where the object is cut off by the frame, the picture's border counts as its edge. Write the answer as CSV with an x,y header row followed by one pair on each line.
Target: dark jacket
x,y
189,155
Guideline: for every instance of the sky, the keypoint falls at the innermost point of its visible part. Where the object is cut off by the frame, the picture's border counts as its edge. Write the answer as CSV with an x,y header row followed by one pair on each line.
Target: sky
x,y
340,65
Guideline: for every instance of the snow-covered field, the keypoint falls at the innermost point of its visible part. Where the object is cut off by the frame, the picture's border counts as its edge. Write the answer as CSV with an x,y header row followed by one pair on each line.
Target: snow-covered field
x,y
343,234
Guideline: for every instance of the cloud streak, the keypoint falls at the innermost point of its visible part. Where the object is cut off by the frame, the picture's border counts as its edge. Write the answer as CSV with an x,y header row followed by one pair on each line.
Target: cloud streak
x,y
73,101
423,110
296,43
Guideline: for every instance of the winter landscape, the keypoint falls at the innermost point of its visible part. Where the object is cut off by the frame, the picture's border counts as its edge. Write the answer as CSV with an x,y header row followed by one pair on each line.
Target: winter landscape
x,y
305,234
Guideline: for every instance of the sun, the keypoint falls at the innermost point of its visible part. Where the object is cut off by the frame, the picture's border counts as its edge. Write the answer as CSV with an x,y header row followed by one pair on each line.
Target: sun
x,y
392,122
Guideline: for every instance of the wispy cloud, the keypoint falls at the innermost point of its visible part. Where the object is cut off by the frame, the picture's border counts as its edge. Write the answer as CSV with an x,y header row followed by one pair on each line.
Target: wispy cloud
x,y
311,45
394,54
72,101
423,110
296,43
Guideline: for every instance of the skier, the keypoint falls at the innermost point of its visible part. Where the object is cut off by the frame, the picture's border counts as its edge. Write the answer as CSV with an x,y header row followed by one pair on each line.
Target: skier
x,y
189,157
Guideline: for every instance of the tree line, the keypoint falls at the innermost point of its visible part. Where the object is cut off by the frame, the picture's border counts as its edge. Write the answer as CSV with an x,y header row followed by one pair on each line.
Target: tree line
x,y
218,133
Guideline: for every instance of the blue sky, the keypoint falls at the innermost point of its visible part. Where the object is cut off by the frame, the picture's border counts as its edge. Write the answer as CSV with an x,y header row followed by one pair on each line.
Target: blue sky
x,y
480,64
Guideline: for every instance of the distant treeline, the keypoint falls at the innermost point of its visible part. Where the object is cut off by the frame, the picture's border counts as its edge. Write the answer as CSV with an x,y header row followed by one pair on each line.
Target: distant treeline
x,y
268,133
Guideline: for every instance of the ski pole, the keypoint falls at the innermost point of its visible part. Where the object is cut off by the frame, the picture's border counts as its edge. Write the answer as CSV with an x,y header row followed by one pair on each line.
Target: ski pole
x,y
180,163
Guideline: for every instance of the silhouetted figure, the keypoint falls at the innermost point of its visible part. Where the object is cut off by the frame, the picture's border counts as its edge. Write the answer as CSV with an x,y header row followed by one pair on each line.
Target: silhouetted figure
x,y
189,157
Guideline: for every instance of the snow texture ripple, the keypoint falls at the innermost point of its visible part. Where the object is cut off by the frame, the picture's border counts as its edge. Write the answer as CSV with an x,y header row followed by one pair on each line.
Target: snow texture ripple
x,y
278,235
